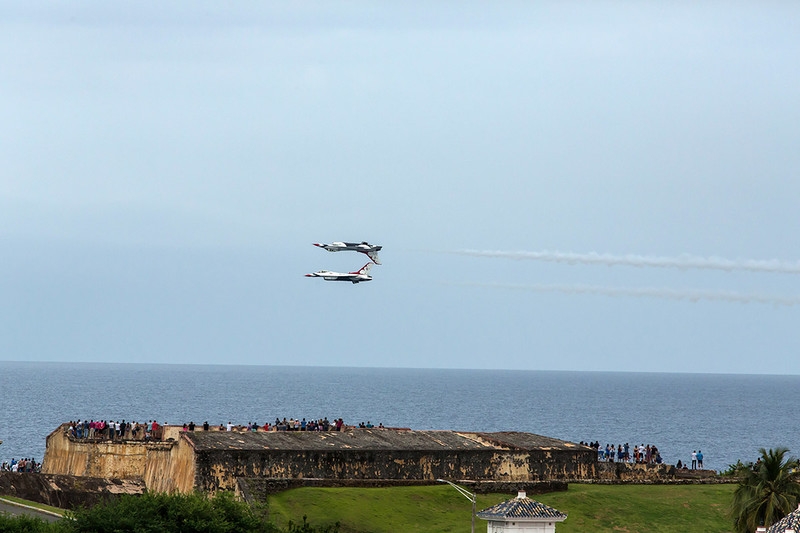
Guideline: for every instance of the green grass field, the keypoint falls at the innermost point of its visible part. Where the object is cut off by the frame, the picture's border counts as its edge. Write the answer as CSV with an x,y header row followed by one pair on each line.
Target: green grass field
x,y
440,509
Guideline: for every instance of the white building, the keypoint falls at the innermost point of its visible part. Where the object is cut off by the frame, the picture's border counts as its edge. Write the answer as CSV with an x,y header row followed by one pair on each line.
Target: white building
x,y
521,515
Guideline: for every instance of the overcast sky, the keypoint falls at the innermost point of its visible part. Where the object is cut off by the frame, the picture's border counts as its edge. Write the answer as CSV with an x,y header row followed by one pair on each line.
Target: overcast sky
x,y
165,167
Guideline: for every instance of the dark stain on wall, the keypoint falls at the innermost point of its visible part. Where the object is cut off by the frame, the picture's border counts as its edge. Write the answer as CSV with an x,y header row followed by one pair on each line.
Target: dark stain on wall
x,y
221,457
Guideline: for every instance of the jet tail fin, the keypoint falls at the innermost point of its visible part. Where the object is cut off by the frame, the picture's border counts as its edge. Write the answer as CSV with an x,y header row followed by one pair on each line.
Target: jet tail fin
x,y
363,270
374,257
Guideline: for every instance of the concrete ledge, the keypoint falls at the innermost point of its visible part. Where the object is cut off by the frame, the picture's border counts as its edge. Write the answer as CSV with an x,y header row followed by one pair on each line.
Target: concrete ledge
x,y
633,473
694,474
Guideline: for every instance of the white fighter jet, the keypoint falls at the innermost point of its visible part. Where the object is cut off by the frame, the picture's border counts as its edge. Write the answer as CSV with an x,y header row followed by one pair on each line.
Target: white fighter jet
x,y
371,250
358,276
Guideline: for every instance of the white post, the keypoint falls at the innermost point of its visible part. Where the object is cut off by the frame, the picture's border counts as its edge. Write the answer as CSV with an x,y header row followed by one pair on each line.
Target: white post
x,y
467,494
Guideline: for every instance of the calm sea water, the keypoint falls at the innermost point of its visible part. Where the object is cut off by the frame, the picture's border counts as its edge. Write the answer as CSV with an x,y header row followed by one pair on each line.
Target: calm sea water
x,y
729,417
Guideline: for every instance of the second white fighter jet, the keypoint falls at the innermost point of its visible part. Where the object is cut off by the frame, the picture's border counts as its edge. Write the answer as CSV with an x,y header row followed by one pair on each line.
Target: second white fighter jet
x,y
370,250
358,276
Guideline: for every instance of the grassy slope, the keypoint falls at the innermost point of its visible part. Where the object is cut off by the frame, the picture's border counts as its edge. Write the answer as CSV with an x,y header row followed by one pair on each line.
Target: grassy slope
x,y
440,509
650,508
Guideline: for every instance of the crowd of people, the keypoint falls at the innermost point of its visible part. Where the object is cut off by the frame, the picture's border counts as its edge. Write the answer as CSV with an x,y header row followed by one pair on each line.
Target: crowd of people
x,y
290,424
624,453
114,430
697,461
121,430
152,430
23,465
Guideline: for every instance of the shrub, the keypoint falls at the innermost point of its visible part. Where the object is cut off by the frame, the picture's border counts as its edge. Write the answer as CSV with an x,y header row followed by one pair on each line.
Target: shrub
x,y
733,470
161,513
29,524
171,513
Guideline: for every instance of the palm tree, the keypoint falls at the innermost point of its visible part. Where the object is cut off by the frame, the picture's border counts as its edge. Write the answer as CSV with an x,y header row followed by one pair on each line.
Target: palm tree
x,y
768,490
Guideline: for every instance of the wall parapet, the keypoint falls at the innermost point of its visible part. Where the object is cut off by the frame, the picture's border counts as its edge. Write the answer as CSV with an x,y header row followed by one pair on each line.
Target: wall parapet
x,y
645,474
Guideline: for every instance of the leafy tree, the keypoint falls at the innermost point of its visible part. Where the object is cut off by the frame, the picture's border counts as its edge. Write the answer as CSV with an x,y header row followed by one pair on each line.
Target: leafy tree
x,y
768,490
162,513
733,470
171,513
21,524
31,524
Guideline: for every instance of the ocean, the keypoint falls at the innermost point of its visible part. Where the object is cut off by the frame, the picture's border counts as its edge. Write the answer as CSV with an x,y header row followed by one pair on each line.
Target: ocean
x,y
729,417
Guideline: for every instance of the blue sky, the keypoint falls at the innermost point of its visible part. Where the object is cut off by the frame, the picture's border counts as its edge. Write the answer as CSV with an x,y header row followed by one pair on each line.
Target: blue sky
x,y
164,170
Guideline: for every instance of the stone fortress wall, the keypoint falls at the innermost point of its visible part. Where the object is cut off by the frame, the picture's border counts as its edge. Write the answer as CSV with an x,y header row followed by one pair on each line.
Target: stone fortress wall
x,y
163,465
260,462
217,460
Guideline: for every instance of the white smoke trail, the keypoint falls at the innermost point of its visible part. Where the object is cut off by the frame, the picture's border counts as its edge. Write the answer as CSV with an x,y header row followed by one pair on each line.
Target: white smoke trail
x,y
642,261
650,292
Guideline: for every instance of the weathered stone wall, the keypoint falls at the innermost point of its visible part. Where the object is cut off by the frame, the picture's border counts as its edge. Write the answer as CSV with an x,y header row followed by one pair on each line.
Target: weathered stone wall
x,y
66,492
212,461
634,472
171,469
164,466
562,465
219,469
613,473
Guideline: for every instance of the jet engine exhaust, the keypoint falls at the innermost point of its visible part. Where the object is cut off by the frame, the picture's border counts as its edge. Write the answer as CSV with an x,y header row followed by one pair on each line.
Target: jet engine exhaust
x,y
682,262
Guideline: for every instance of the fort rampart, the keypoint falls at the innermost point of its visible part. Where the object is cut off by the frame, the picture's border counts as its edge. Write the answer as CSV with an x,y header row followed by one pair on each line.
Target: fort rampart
x,y
217,460
162,465
261,462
